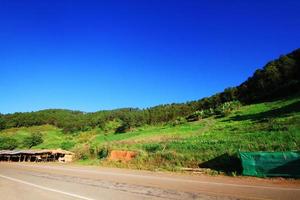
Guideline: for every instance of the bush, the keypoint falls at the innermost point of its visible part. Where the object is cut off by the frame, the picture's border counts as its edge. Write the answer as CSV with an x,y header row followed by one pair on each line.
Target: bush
x,y
111,125
178,121
67,145
33,140
195,116
123,128
208,112
103,153
82,152
8,143
226,108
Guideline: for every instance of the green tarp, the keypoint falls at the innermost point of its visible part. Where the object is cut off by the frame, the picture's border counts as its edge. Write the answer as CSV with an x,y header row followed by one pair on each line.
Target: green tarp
x,y
262,164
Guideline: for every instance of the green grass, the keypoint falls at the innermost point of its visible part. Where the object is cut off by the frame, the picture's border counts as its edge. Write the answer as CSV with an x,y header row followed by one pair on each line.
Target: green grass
x,y
52,140
151,132
271,126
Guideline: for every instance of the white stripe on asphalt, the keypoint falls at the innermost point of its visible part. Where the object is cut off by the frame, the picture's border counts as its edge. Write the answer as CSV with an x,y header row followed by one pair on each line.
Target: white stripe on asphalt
x,y
46,188
166,178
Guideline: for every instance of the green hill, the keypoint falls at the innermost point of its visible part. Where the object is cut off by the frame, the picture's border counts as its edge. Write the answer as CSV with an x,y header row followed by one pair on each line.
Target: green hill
x,y
277,79
269,126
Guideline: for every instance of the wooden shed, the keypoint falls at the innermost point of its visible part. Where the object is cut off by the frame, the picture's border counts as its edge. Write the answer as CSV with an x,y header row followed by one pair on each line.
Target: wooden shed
x,y
36,155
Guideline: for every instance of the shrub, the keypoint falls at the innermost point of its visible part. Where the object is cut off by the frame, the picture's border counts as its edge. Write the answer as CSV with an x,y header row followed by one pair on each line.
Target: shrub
x,y
123,128
208,112
112,125
103,153
8,143
67,145
226,108
195,116
82,152
34,139
178,121
98,151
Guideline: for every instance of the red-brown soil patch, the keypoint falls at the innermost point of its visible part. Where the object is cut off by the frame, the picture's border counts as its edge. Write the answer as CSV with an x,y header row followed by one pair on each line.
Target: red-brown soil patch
x,y
122,155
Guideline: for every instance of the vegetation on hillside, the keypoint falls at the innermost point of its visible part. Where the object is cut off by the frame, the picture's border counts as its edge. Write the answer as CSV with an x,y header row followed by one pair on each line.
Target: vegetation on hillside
x,y
262,114
278,78
211,142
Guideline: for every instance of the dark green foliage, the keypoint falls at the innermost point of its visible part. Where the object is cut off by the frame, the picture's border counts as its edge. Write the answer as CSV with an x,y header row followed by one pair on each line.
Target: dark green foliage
x,y
33,140
103,153
278,78
123,128
8,143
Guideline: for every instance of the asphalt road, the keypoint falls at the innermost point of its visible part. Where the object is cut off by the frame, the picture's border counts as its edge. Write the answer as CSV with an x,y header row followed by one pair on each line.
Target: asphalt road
x,y
52,181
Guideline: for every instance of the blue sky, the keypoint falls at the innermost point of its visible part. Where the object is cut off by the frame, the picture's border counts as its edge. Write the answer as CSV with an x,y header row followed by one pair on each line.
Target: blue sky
x,y
94,55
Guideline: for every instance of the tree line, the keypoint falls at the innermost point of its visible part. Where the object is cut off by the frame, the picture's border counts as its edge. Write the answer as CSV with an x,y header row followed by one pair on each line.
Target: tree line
x,y
278,78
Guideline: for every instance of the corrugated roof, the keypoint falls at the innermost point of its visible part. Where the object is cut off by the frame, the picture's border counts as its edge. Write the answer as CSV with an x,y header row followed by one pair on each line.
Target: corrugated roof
x,y
15,152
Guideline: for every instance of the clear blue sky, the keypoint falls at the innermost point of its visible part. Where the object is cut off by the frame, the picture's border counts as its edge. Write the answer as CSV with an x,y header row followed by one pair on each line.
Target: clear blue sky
x,y
93,55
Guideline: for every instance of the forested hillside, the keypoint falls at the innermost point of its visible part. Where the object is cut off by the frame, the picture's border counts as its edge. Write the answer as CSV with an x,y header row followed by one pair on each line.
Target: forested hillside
x,y
276,79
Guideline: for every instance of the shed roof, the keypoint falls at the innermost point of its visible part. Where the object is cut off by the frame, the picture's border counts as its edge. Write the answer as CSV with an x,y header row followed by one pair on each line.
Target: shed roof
x,y
44,151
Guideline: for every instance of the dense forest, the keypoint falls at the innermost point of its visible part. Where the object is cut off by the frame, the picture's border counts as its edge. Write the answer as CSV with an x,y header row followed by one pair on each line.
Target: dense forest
x,y
276,79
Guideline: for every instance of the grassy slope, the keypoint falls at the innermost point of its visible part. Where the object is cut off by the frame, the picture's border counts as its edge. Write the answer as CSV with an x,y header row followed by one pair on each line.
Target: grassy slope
x,y
273,126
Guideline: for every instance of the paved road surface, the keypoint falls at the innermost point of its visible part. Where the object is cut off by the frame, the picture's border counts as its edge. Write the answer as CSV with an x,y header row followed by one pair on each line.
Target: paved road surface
x,y
53,181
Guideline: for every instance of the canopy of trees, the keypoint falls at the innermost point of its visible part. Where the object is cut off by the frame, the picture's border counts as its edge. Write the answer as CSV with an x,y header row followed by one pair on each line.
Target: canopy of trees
x,y
278,78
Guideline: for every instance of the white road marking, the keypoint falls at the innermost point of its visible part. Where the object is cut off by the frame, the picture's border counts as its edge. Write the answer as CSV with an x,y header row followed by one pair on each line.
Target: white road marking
x,y
46,188
166,178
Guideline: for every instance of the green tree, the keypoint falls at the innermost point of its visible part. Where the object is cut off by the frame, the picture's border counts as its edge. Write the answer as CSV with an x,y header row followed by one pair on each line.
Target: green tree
x,y
33,140
8,143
